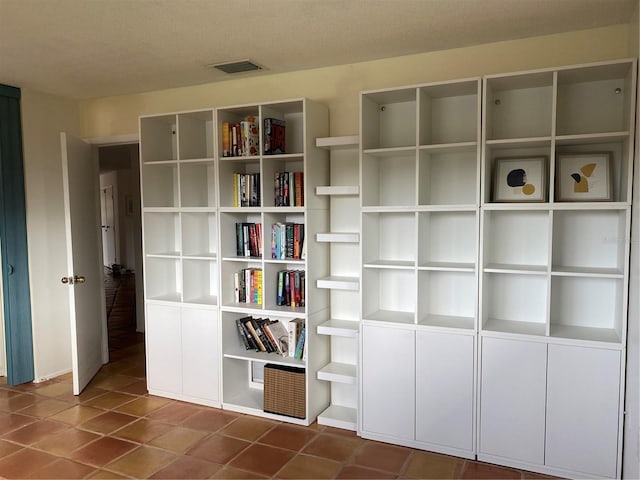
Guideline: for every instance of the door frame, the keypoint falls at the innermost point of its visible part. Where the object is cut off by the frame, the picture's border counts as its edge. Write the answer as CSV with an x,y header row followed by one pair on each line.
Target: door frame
x,y
104,191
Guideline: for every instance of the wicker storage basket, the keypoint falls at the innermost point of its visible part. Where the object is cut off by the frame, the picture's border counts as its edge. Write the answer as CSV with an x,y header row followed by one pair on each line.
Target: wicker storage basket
x,y
284,391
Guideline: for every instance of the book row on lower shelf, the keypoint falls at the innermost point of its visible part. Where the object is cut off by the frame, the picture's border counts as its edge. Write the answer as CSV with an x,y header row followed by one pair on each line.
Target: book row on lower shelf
x,y
246,189
249,239
290,288
287,240
288,189
286,338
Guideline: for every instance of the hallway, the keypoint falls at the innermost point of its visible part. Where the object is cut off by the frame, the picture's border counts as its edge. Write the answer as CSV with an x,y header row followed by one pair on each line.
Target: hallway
x,y
115,430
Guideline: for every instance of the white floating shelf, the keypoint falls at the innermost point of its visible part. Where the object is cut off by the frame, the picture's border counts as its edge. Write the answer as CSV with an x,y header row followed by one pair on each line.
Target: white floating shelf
x,y
339,328
339,417
346,141
338,372
342,237
338,190
339,283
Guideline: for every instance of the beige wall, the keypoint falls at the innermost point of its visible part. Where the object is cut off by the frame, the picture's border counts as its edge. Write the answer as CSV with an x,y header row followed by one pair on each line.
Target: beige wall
x,y
339,86
43,118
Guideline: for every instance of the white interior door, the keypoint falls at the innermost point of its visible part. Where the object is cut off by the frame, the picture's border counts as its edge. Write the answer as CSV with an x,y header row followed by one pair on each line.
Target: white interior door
x,y
84,260
108,226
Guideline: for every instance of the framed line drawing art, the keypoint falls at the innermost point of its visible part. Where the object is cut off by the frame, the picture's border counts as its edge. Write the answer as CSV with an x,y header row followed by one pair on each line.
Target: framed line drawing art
x,y
584,177
521,179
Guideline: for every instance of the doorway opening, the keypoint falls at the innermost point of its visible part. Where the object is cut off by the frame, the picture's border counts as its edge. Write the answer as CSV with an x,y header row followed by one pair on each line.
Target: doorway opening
x,y
122,249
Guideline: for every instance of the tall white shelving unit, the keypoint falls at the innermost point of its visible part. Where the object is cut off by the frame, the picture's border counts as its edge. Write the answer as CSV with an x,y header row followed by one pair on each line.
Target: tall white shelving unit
x,y
241,368
420,177
554,275
180,225
435,316
343,283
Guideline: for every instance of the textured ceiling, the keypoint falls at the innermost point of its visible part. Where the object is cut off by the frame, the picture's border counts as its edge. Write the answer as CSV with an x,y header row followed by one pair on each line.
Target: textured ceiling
x,y
95,48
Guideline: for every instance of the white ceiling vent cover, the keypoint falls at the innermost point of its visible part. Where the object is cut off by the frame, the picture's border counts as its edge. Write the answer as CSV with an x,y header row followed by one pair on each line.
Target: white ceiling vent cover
x,y
237,67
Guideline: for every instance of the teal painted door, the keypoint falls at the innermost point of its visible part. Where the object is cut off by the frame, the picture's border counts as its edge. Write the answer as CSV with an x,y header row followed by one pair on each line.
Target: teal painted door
x,y
13,242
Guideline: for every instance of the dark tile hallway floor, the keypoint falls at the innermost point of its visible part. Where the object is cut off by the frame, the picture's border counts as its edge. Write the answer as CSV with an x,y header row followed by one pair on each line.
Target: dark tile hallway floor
x,y
114,429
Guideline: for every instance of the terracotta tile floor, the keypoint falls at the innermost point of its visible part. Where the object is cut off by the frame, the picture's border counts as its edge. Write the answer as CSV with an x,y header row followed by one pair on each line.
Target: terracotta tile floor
x,y
114,429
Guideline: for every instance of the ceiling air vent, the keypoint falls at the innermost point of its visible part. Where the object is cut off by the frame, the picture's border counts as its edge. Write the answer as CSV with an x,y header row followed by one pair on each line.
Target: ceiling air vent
x,y
237,67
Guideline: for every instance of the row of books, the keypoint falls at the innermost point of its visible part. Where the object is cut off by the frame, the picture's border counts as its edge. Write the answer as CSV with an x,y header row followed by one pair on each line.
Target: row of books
x,y
291,287
249,239
288,189
240,139
286,338
248,286
287,240
246,189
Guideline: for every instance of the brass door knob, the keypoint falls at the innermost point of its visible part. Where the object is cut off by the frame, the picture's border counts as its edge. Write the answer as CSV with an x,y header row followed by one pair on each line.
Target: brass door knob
x,y
72,280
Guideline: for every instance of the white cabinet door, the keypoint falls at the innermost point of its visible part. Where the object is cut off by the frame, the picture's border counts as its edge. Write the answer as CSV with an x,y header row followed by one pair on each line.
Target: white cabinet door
x,y
388,381
583,409
200,353
444,389
512,399
164,362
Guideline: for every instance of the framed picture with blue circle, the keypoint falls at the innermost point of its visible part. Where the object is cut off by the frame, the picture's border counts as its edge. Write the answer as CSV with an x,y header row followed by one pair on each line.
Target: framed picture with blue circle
x,y
521,179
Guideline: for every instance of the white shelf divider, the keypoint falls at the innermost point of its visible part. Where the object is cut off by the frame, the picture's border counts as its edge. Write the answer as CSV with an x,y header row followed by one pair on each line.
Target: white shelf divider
x,y
346,141
338,416
339,328
338,372
339,283
338,237
338,190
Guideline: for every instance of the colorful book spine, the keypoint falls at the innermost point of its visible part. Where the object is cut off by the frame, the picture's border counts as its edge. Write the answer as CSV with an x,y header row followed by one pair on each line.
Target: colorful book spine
x,y
274,136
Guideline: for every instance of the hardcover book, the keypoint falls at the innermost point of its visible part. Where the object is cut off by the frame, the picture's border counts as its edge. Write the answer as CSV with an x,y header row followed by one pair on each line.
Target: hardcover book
x,y
274,136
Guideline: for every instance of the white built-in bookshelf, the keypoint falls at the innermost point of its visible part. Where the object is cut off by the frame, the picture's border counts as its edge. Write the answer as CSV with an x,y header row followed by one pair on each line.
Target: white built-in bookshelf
x,y
420,177
466,264
343,283
180,224
242,368
190,213
554,272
